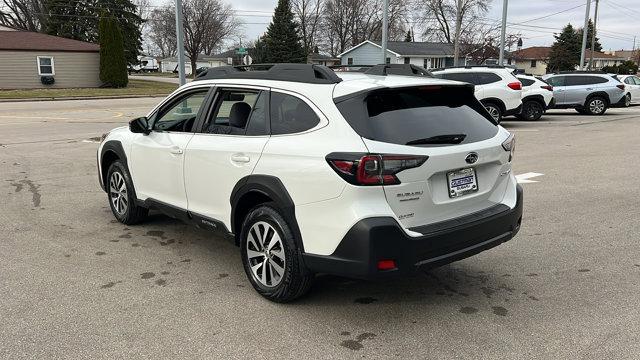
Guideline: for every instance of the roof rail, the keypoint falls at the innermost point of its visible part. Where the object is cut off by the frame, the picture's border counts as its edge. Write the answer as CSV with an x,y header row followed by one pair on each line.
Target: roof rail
x,y
476,66
398,69
305,73
582,72
350,68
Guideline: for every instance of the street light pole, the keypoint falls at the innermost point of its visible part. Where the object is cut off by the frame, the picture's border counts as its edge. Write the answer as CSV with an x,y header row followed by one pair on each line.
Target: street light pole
x,y
593,36
584,34
503,31
385,25
180,42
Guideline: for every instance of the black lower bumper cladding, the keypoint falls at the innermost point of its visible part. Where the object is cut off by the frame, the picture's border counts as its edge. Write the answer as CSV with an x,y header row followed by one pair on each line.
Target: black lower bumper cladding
x,y
381,238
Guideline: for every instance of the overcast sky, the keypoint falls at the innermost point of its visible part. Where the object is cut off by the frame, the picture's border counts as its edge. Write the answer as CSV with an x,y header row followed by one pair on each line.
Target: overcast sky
x,y
618,20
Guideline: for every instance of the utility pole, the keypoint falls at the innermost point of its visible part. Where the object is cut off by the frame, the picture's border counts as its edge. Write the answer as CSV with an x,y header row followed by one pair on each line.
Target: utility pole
x,y
180,42
584,34
593,36
385,26
503,31
456,42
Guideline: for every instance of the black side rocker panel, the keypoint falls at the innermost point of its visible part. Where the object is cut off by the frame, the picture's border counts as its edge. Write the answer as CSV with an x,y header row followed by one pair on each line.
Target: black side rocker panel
x,y
381,238
272,187
114,146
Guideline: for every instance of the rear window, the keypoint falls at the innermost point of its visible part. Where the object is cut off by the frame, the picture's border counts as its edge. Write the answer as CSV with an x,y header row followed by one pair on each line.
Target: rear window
x,y
419,116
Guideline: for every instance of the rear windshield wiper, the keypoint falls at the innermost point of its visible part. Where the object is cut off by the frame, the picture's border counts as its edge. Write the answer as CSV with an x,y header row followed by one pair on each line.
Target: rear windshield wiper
x,y
439,139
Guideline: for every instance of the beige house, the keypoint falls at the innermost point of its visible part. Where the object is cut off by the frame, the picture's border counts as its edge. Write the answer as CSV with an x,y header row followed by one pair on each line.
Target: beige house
x,y
533,60
29,59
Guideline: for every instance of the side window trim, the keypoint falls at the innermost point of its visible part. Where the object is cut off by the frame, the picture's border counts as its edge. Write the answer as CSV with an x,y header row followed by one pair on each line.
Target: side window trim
x,y
175,98
323,119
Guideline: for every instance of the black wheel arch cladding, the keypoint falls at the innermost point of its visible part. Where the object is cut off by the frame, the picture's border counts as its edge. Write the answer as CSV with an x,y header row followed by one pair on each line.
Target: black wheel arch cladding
x,y
252,190
112,150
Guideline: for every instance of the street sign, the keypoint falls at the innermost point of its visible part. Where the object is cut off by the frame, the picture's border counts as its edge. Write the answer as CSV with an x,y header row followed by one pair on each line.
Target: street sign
x,y
241,51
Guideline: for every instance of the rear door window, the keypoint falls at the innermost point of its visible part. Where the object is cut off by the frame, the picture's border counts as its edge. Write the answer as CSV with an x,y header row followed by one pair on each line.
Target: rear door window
x,y
419,116
464,77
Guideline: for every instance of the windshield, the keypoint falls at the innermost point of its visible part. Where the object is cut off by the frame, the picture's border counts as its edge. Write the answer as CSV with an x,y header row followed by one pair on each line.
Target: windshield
x,y
419,116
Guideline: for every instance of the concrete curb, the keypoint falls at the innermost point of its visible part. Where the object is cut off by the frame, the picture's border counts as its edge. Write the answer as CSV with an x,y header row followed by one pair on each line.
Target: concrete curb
x,y
83,98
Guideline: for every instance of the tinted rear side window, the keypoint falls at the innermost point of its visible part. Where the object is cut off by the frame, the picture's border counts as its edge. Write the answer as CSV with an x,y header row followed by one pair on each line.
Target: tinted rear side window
x,y
584,80
464,77
526,82
290,115
400,116
487,78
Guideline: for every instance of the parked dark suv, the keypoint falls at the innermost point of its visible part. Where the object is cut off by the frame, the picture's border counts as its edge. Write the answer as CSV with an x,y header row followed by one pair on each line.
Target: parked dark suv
x,y
588,92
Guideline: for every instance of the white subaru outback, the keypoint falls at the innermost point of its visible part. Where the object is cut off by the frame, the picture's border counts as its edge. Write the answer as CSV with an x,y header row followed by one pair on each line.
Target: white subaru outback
x,y
366,175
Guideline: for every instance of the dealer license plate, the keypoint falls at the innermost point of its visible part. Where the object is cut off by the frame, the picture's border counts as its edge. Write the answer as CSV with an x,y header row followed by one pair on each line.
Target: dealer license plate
x,y
462,182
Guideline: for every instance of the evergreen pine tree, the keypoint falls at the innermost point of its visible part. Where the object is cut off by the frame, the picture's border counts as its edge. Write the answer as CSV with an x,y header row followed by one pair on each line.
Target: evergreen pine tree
x,y
113,65
565,51
282,41
407,38
597,45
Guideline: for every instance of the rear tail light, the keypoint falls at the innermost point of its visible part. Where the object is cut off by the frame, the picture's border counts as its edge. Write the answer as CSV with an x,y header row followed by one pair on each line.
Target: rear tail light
x,y
372,169
384,265
516,85
621,86
510,146
547,87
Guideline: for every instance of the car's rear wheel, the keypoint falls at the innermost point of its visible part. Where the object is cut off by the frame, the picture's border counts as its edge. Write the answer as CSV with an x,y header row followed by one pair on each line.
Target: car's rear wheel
x,y
494,110
596,106
270,256
627,100
121,195
531,110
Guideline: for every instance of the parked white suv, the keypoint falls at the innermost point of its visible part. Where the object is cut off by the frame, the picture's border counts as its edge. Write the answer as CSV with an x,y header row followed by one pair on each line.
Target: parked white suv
x,y
537,97
632,85
365,176
495,86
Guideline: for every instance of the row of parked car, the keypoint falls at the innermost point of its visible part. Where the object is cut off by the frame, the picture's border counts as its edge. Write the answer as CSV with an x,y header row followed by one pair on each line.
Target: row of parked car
x,y
504,92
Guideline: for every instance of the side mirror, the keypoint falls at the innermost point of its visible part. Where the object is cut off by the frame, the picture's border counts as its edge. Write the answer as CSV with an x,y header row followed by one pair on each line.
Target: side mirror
x,y
139,126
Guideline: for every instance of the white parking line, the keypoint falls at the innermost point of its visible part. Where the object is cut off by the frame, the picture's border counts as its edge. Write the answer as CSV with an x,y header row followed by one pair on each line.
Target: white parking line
x,y
524,178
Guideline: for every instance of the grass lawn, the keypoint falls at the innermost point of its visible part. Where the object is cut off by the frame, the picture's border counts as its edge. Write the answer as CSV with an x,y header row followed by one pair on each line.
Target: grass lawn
x,y
161,74
136,87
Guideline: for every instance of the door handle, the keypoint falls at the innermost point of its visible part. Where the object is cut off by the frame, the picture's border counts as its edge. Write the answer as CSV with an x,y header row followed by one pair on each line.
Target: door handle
x,y
175,150
240,158
589,89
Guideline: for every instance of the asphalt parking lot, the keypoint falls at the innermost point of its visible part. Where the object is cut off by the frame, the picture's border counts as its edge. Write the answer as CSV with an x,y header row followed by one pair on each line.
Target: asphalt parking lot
x,y
76,284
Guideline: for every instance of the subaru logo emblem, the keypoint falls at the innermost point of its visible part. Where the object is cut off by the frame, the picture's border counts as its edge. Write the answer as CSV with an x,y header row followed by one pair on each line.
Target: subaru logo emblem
x,y
471,158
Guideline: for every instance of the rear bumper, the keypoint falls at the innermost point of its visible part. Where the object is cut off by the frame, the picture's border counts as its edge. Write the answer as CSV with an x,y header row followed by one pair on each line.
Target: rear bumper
x,y
381,238
551,104
515,111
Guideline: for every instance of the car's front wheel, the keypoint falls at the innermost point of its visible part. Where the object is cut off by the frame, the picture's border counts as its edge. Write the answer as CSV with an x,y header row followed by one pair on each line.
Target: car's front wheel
x,y
270,256
531,110
495,111
121,195
596,106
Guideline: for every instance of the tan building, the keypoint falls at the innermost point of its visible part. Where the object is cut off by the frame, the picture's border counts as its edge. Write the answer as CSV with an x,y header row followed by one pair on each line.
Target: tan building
x,y
533,60
28,57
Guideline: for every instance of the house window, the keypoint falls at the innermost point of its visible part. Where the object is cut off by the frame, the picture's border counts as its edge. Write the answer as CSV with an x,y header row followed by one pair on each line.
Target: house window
x,y
407,60
533,63
388,61
45,65
349,61
433,63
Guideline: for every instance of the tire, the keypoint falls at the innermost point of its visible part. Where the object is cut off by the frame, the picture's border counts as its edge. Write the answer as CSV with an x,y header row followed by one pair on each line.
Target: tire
x,y
293,279
596,106
495,111
531,111
121,195
627,100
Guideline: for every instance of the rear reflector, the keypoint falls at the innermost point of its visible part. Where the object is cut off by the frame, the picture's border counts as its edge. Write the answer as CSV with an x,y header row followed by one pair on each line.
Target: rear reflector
x,y
516,85
547,87
621,86
386,265
372,169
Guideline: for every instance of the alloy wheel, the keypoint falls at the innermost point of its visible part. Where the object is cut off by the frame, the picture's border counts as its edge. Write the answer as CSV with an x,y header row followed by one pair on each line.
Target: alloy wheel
x,y
533,111
596,106
627,100
494,112
265,254
118,193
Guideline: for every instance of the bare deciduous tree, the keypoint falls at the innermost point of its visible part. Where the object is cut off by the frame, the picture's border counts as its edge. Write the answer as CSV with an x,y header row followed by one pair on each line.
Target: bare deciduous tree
x,y
206,24
439,18
162,30
23,14
308,13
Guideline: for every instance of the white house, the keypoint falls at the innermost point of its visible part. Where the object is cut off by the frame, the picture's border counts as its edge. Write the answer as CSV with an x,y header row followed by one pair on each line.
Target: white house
x,y
171,64
430,55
